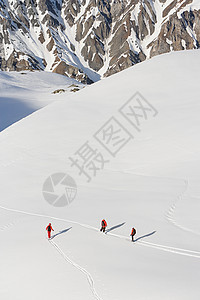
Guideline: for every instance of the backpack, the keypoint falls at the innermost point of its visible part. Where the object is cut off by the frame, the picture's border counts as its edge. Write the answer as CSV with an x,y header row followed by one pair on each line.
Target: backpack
x,y
49,228
134,231
104,224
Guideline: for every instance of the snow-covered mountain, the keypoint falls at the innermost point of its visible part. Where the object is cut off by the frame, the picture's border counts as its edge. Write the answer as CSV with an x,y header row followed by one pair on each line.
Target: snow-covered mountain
x,y
148,178
89,39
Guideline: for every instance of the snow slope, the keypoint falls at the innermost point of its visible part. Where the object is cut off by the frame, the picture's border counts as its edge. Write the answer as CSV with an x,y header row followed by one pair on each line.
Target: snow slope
x,y
25,92
152,184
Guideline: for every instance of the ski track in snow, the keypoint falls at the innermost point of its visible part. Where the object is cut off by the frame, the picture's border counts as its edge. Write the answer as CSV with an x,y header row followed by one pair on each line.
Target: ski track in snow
x,y
175,250
81,269
171,211
8,225
170,214
179,251
190,253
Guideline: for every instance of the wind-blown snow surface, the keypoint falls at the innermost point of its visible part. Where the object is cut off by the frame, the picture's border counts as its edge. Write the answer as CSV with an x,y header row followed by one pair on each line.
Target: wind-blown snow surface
x,y
152,184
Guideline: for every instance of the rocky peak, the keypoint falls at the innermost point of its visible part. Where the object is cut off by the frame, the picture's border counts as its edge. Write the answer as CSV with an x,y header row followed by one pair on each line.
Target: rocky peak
x,y
87,39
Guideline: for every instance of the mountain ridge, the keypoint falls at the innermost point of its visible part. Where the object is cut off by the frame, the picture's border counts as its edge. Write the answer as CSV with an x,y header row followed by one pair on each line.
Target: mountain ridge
x,y
91,39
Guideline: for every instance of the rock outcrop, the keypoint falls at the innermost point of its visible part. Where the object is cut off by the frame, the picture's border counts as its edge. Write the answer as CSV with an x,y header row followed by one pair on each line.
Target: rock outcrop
x,y
87,39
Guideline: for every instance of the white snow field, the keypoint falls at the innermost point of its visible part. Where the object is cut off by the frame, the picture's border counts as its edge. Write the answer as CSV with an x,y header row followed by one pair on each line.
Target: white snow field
x,y
145,173
23,93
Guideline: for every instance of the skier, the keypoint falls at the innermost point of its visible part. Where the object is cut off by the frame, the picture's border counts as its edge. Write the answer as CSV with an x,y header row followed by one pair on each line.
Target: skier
x,y
133,232
49,228
103,225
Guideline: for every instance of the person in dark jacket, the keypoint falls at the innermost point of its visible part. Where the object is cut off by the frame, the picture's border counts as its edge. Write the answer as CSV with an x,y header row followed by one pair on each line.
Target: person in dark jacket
x,y
133,232
49,228
103,225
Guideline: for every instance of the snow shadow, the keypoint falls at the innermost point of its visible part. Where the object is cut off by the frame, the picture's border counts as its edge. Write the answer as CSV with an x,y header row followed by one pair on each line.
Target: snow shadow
x,y
146,235
60,232
13,110
114,227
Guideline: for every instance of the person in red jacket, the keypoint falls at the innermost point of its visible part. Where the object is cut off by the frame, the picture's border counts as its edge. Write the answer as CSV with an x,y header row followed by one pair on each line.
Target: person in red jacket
x,y
133,232
49,228
103,225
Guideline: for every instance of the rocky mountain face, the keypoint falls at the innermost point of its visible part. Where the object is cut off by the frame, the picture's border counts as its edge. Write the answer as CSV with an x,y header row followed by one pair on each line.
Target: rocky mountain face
x,y
88,39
